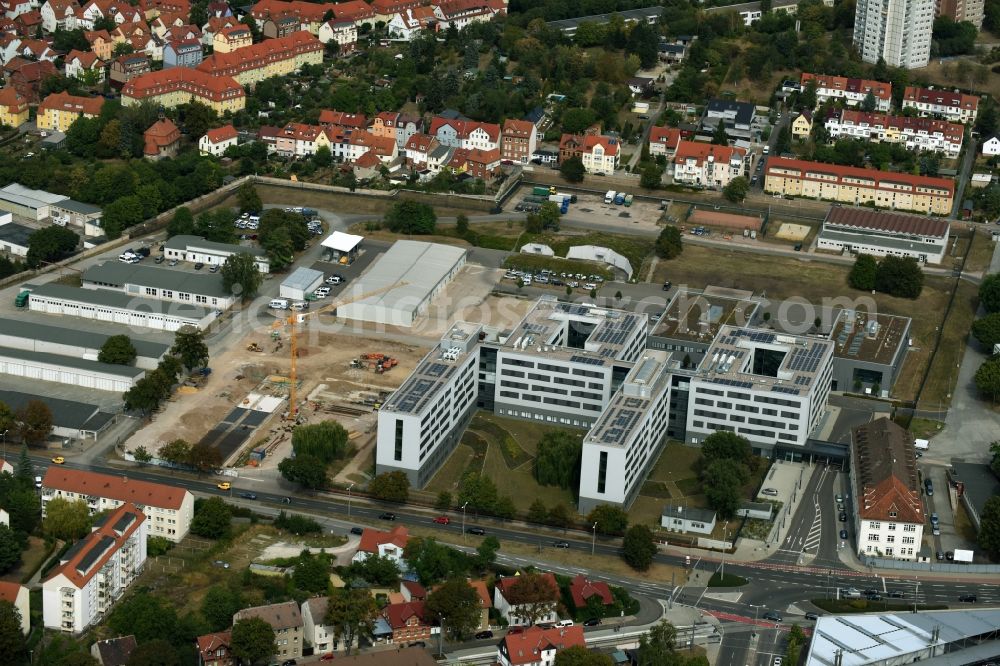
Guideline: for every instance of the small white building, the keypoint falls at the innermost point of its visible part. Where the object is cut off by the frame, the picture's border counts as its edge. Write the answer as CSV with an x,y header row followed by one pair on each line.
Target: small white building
x,y
321,636
991,146
384,544
196,249
538,647
687,519
17,594
216,141
515,613
168,509
95,572
343,248
301,283
14,237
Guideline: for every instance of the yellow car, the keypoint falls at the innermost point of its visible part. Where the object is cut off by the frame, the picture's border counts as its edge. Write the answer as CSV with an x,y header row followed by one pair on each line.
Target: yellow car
x,y
225,485
59,460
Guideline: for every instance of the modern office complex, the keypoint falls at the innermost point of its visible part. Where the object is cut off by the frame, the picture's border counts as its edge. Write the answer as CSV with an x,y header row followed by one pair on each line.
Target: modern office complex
x,y
895,31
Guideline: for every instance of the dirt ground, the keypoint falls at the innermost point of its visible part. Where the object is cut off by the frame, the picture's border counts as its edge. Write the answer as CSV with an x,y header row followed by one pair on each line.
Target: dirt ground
x,y
793,232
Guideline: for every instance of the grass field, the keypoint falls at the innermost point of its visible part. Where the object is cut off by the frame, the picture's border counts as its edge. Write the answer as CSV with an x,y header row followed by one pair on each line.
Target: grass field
x,y
980,255
944,371
674,477
819,283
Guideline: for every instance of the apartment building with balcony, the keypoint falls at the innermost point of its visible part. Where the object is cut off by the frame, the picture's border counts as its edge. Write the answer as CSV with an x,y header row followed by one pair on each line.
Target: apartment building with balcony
x,y
939,136
708,165
949,104
96,571
168,509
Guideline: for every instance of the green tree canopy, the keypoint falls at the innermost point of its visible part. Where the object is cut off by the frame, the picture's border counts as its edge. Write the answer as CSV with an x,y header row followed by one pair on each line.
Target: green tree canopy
x,y
723,444
118,350
989,293
377,570
219,605
306,470
11,639
736,189
863,273
352,614
723,481
572,169
50,244
557,462
182,222
638,547
240,276
989,530
578,655
899,276
190,348
252,640
390,487
611,520
987,330
669,244
327,441
312,572
157,652
212,517
10,549
66,520
410,217
456,606
34,422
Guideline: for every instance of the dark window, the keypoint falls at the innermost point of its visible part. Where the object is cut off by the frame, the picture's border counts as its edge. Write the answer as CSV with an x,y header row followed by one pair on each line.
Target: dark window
x,y
399,439
602,472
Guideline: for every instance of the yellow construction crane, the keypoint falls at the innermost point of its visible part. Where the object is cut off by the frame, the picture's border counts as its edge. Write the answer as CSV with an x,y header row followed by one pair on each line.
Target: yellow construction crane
x,y
298,318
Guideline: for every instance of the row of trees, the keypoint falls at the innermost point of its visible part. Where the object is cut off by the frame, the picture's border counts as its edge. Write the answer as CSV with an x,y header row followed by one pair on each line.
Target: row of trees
x,y
189,351
896,276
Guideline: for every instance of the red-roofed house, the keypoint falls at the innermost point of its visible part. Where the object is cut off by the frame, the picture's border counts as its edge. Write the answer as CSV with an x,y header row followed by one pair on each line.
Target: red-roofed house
x,y
483,164
938,136
537,647
95,572
169,508
232,38
60,110
79,63
517,140
386,9
348,121
407,621
466,134
954,106
101,43
386,544
272,57
412,590
706,164
663,141
362,142
214,649
852,91
407,24
179,85
26,76
216,141
17,594
506,602
13,113
461,13
124,68
162,139
582,589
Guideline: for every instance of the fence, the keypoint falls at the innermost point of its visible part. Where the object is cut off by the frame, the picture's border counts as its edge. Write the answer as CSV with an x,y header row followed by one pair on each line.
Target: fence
x,y
943,567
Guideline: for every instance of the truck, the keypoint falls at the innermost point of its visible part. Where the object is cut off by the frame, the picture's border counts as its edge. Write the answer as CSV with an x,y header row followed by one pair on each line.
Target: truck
x,y
619,198
963,556
921,444
628,200
543,191
21,300
558,199
609,197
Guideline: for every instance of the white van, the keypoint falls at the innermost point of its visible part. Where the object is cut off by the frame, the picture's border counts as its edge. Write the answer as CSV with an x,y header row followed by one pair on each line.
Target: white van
x,y
278,303
300,305
564,623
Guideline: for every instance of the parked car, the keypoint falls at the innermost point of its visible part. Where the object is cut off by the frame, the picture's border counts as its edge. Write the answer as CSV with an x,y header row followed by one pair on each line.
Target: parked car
x,y
58,460
159,260
843,534
940,555
935,519
592,622
949,555
896,594
357,530
387,515
250,496
770,492
173,262
967,598
198,266
561,544
222,564
484,634
812,616
842,517
214,268
773,616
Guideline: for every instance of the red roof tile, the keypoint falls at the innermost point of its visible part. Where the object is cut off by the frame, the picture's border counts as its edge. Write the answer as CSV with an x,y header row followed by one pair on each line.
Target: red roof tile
x,y
700,151
80,567
805,170
892,223
582,589
669,136
63,101
261,54
397,615
885,471
10,590
351,120
220,134
117,487
879,89
183,78
949,98
371,539
526,647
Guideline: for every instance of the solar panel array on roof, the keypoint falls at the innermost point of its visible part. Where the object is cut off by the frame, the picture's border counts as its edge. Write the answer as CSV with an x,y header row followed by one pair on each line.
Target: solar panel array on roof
x,y
623,422
615,331
435,369
786,389
122,523
756,336
803,380
856,345
633,403
734,382
90,558
589,360
413,394
578,310
533,327
803,360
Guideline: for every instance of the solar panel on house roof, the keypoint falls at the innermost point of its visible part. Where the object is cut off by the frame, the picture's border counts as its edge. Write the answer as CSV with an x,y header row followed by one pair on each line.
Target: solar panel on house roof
x,y
90,558
786,389
576,358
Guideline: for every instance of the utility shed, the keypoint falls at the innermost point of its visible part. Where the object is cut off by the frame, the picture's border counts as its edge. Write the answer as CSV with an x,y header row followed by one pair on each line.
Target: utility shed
x,y
301,283
410,274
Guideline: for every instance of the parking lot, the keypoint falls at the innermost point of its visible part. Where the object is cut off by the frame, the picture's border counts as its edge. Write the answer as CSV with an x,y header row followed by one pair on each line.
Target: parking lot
x,y
591,208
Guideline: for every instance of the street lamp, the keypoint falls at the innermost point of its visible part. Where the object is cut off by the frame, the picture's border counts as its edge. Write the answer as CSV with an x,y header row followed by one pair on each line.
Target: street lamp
x,y
463,519
755,607
349,500
593,539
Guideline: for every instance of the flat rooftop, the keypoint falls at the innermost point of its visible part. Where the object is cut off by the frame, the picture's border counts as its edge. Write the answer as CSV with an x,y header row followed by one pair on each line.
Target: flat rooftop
x,y
763,360
423,386
863,336
697,316
550,324
17,328
116,299
116,274
870,238
619,420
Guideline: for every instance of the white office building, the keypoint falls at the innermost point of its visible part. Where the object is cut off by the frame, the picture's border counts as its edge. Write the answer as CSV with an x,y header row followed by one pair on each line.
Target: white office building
x,y
95,572
196,249
624,444
422,422
767,387
154,282
897,31
168,509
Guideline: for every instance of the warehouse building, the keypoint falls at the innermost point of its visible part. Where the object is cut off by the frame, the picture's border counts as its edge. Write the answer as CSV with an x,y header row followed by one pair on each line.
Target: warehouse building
x,y
70,419
203,289
68,370
105,305
38,205
33,337
625,442
767,387
342,248
196,249
300,284
78,214
864,231
14,239
419,271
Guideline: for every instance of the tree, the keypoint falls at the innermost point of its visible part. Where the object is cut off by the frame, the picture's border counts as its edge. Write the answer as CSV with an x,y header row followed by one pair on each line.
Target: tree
x,y
783,143
351,613
572,169
719,136
726,445
535,595
987,330
557,462
181,224
377,570
548,215
989,527
638,547
248,199
190,348
723,482
142,454
651,177
177,452
987,378
327,441
611,520
443,502
66,520
669,243
559,516
736,190
656,646
899,276
869,103
390,487
211,518
241,276
219,606
312,573
204,457
10,549
456,606
432,561
579,655
863,273
157,652
117,350
50,244
34,422
306,470
7,423
486,552
410,217
462,224
252,640
11,638
989,293
538,512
